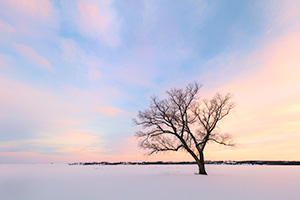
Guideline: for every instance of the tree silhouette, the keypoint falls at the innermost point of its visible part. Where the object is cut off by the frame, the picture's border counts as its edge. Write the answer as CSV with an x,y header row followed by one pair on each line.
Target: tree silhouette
x,y
183,122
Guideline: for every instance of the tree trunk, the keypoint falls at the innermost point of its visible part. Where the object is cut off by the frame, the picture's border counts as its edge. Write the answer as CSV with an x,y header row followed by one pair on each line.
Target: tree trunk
x,y
201,164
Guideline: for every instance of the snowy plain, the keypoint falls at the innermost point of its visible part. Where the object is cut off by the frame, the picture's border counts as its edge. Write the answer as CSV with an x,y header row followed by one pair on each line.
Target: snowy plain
x,y
64,182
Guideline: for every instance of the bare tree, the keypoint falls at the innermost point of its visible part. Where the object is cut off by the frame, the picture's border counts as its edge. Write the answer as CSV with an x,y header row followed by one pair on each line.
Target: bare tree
x,y
183,122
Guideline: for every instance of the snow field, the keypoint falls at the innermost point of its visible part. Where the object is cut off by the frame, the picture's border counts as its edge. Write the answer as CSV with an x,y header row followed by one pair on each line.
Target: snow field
x,y
64,182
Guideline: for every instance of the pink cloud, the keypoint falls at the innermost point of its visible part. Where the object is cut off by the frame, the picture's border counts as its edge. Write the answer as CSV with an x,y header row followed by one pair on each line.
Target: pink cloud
x,y
31,18
54,121
39,108
5,27
98,20
31,7
108,110
31,55
43,111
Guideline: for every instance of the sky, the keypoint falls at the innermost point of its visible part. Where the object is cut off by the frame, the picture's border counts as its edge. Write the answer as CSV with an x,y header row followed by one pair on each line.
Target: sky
x,y
73,74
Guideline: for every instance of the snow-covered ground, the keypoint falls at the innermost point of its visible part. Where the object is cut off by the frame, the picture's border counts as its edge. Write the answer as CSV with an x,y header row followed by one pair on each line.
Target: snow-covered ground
x,y
64,182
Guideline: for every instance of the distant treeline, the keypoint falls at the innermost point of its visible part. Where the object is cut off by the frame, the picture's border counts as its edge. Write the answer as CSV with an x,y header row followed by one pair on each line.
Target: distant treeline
x,y
252,162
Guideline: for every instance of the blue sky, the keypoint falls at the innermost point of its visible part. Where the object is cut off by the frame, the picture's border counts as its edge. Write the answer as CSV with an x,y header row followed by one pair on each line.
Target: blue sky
x,y
82,69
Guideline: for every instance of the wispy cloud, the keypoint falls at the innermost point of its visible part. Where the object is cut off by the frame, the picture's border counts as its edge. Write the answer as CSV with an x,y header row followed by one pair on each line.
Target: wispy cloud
x,y
82,69
5,62
29,110
108,110
281,16
32,7
33,57
97,19
88,65
5,27
30,17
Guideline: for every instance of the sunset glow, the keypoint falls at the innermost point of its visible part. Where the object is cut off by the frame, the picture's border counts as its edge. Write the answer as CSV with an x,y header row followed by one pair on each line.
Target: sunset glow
x,y
73,74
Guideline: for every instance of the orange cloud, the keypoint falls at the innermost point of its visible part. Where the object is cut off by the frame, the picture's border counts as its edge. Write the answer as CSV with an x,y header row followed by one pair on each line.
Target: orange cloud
x,y
70,141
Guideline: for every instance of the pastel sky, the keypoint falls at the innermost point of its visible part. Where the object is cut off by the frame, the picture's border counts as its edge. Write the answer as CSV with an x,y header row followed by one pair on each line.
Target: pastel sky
x,y
73,74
